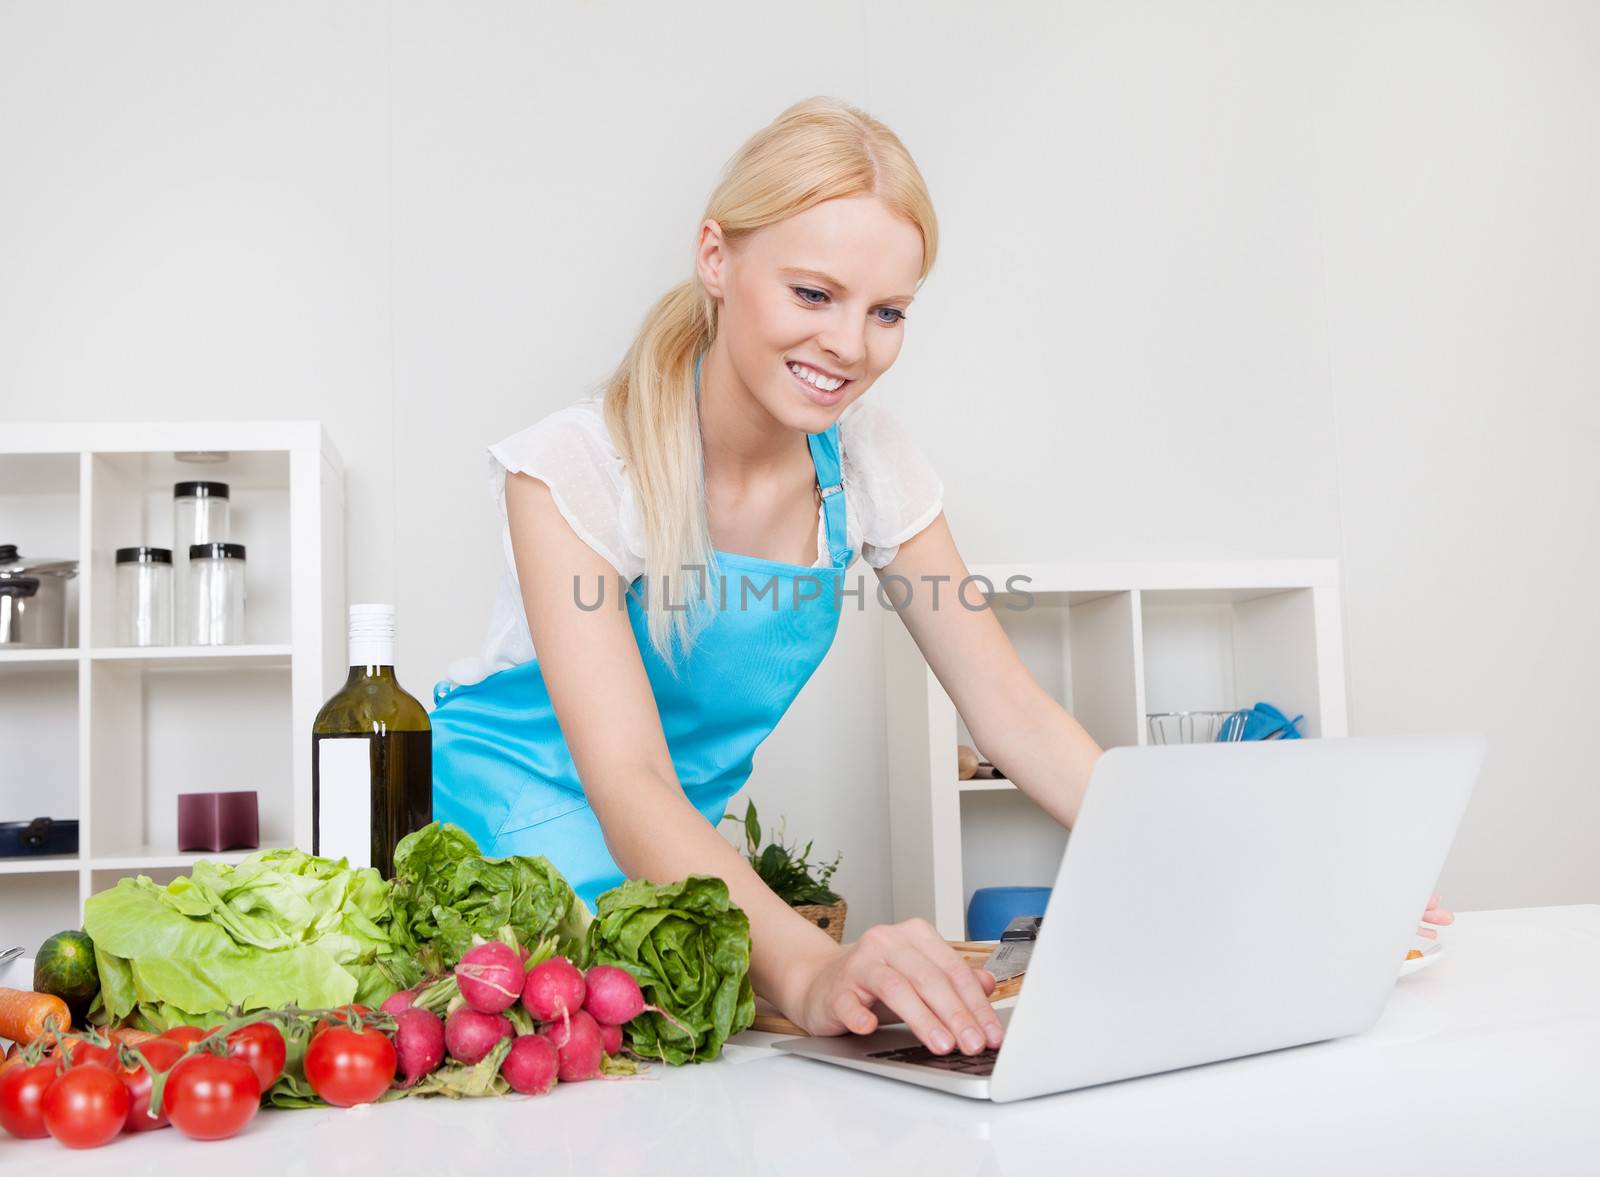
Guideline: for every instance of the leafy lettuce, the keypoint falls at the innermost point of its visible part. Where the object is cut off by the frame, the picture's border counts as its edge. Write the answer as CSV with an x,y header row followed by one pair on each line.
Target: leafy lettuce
x,y
280,927
688,946
445,893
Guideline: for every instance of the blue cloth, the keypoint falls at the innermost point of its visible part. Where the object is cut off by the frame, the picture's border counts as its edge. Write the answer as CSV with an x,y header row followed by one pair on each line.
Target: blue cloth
x,y
501,767
1261,722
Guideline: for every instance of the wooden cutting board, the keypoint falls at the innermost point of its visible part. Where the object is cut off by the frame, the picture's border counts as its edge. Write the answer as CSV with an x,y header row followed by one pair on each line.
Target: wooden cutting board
x,y
974,952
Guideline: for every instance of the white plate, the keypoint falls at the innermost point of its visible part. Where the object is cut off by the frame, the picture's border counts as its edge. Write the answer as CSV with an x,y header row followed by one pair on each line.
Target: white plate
x,y
1430,953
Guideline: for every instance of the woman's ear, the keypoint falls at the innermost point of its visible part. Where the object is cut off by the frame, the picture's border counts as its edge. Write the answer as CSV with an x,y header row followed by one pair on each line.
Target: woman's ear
x,y
710,257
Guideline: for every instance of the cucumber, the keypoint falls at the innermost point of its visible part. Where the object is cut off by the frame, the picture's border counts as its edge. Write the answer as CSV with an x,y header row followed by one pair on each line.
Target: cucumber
x,y
66,968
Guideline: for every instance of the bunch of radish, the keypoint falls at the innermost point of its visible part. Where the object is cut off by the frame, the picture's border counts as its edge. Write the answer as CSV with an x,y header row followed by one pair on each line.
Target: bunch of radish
x,y
563,1025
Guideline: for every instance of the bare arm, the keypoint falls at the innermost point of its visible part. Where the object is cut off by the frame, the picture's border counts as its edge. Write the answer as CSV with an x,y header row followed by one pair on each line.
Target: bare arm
x,y
608,716
607,713
1023,731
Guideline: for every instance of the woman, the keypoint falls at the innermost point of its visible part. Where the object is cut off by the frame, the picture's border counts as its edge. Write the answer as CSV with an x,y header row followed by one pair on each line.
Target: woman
x,y
730,472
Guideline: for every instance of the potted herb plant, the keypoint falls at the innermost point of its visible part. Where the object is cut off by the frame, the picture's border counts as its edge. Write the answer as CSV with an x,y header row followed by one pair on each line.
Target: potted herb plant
x,y
803,885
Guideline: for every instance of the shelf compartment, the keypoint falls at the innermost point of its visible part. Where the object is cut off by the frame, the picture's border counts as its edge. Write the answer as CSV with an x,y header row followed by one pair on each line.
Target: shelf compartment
x,y
41,513
132,494
39,905
1006,841
39,731
1227,649
1080,647
165,727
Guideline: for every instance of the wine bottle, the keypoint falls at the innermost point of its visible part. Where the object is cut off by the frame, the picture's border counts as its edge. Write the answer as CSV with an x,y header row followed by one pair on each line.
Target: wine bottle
x,y
371,754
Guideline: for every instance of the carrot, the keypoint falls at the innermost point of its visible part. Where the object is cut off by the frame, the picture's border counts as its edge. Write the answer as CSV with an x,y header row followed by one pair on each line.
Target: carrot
x,y
129,1036
25,1015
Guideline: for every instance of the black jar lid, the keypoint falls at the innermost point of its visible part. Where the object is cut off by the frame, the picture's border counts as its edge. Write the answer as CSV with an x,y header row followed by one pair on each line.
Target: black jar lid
x,y
200,490
216,551
144,555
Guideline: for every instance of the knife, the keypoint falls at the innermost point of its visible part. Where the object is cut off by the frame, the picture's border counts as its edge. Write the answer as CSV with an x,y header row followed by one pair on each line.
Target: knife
x,y
1010,957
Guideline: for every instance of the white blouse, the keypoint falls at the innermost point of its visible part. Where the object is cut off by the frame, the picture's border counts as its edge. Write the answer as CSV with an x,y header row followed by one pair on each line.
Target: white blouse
x,y
891,493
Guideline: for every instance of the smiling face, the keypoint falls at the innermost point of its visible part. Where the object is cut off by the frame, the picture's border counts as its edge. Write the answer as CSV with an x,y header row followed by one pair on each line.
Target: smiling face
x,y
827,288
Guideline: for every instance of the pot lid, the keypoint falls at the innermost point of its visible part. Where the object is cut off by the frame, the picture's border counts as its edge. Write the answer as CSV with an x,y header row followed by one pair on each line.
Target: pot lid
x,y
14,565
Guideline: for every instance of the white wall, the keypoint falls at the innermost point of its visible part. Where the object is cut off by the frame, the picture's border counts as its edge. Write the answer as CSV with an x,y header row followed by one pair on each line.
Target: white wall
x,y
1222,280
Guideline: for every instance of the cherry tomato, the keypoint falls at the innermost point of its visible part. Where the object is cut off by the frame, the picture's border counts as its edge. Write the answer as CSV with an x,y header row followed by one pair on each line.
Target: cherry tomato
x,y
188,1035
85,1107
210,1097
162,1053
86,1054
260,1045
330,1023
22,1089
347,1067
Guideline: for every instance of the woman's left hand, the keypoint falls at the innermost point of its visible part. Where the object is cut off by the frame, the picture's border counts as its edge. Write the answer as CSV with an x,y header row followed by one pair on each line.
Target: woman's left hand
x,y
1434,914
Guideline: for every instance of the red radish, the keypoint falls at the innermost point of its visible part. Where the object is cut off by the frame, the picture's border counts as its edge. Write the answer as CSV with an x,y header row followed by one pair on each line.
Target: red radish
x,y
532,1065
419,1041
613,996
398,1001
469,1035
553,988
490,977
577,1043
610,1038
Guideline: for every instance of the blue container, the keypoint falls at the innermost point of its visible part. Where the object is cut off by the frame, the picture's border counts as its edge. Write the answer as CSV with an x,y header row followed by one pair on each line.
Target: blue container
x,y
992,908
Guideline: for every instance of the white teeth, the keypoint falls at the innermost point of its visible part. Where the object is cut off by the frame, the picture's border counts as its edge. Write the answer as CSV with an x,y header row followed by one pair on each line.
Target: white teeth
x,y
815,378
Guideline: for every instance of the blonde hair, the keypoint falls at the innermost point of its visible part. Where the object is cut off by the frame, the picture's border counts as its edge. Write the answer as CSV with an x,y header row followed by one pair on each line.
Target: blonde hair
x,y
818,149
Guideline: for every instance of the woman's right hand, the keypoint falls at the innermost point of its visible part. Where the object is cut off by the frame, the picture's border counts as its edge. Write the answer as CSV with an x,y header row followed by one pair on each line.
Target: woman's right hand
x,y
906,968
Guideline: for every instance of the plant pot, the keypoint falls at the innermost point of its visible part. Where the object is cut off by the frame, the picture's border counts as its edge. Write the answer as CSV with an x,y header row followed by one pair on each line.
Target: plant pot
x,y
828,917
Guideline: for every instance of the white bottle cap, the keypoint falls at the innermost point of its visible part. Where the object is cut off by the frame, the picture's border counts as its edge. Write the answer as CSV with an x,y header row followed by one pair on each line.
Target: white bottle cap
x,y
371,635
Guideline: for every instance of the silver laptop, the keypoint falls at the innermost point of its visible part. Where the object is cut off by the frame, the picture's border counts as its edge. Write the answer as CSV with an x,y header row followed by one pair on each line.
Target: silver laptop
x,y
1214,900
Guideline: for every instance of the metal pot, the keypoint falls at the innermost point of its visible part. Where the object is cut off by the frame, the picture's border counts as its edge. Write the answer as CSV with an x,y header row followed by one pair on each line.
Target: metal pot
x,y
33,601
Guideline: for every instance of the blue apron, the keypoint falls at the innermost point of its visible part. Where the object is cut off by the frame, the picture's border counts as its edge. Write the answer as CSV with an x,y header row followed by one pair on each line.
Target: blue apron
x,y
501,767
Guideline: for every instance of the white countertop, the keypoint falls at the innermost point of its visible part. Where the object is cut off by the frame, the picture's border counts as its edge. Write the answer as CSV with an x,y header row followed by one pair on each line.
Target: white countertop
x,y
1488,1061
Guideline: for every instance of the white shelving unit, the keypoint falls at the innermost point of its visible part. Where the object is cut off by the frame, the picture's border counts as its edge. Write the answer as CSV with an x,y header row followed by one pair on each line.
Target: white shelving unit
x,y
112,735
1111,642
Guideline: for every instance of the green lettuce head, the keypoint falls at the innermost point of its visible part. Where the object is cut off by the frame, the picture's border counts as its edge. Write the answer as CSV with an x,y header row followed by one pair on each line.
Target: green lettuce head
x,y
279,927
445,892
688,946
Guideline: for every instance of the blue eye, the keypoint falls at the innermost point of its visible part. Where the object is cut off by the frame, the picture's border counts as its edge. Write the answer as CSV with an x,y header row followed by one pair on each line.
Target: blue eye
x,y
802,291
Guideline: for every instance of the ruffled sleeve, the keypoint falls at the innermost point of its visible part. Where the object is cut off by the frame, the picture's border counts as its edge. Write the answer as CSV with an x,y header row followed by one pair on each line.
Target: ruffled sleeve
x,y
572,453
894,487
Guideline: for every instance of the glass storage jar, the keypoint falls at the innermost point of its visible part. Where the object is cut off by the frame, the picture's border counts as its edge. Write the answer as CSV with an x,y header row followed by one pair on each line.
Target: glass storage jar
x,y
144,597
216,595
200,513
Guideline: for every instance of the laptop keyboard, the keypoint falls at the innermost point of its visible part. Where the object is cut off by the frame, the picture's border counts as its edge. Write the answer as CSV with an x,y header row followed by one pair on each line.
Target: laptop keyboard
x,y
962,1064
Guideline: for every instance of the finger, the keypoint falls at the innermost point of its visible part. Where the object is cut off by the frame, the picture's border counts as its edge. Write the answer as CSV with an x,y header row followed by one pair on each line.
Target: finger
x,y
970,988
1429,933
971,985
1439,917
1433,903
949,988
897,992
852,1014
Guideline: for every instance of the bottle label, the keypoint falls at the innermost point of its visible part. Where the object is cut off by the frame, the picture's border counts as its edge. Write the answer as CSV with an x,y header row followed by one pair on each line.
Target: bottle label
x,y
344,799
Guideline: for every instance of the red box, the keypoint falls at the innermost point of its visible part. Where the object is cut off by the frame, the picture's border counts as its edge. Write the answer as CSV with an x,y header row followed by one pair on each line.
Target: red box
x,y
218,821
